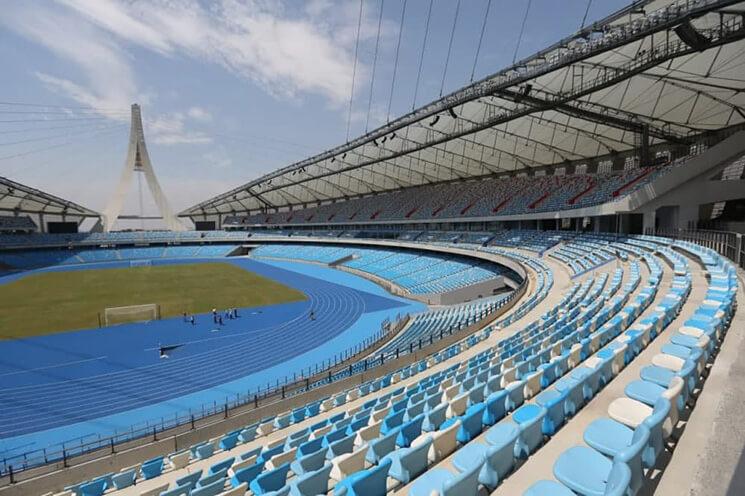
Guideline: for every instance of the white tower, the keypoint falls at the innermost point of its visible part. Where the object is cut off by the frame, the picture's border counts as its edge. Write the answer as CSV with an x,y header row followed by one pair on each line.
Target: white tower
x,y
138,161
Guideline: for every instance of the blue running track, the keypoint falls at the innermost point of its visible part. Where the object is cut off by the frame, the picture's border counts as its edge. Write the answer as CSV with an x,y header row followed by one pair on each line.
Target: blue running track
x,y
86,383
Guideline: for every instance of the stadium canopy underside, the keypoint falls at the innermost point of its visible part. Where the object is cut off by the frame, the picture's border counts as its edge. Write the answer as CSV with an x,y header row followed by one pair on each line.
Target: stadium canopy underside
x,y
655,73
17,198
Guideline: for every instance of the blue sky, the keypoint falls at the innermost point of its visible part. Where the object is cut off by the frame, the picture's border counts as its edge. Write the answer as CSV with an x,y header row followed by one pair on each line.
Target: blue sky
x,y
230,89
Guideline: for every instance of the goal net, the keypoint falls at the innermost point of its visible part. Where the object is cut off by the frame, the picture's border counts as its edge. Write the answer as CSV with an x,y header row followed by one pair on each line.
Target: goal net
x,y
132,313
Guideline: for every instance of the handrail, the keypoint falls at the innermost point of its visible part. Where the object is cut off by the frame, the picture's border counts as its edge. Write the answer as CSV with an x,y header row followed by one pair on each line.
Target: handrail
x,y
727,243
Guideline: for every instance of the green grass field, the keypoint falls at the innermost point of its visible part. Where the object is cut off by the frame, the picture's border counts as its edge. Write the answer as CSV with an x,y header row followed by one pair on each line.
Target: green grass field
x,y
48,302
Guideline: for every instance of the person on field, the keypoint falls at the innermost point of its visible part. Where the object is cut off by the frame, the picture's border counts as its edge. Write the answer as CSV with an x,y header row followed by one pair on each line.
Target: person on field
x,y
214,315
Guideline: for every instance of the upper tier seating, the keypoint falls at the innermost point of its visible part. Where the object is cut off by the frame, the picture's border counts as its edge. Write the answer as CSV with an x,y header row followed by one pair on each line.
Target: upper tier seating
x,y
474,198
417,272
17,223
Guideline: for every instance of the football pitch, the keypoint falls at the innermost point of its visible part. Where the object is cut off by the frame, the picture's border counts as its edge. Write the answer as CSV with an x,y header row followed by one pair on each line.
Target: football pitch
x,y
46,302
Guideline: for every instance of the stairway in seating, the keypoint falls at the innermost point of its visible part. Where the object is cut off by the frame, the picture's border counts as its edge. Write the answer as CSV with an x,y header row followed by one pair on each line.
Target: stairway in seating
x,y
732,172
645,172
590,186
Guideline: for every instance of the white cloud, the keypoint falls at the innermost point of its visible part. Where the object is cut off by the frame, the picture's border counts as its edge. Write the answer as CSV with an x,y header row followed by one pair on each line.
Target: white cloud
x,y
285,53
109,80
170,129
199,114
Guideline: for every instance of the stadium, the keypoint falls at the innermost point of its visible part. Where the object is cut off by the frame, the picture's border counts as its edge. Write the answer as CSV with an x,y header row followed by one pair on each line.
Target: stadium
x,y
528,285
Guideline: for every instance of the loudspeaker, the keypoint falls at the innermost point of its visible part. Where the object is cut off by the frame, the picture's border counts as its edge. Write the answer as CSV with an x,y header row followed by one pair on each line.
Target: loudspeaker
x,y
688,35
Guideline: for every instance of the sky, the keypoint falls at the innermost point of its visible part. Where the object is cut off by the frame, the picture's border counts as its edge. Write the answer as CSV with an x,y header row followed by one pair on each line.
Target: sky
x,y
232,89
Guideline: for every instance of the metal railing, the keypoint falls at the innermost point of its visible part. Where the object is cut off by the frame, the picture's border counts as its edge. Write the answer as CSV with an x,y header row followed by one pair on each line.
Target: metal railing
x,y
727,243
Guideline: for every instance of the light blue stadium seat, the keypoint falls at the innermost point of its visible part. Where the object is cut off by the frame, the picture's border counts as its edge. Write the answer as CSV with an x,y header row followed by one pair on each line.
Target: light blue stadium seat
x,y
392,421
435,418
340,447
309,447
205,451
212,489
444,482
229,442
495,408
573,389
312,483
358,424
124,479
409,431
530,419
548,488
94,488
604,433
252,452
380,447
553,401
470,423
370,482
309,463
223,465
209,479
177,491
151,468
409,463
267,454
190,480
273,480
590,473
515,395
248,434
334,436
246,475
612,440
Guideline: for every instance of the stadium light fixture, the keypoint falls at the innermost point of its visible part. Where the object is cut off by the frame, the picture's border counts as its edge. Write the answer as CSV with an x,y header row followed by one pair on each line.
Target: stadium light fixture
x,y
434,121
452,113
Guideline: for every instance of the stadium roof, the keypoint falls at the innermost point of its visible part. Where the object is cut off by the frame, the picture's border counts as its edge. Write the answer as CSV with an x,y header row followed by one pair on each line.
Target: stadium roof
x,y
664,70
16,197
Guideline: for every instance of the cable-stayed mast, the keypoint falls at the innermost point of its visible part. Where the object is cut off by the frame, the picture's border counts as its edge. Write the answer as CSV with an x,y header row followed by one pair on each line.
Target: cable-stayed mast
x,y
138,161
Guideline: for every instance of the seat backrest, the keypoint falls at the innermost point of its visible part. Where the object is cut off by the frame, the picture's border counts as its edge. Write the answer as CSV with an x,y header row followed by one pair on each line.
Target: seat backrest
x,y
414,460
444,441
309,447
212,489
618,481
312,483
272,480
464,483
434,418
224,464
381,447
344,445
209,479
673,391
373,481
247,474
189,480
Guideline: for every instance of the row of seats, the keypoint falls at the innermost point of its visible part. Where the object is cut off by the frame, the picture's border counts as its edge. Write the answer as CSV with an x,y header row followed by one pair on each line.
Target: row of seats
x,y
125,237
17,223
621,449
29,259
493,196
417,272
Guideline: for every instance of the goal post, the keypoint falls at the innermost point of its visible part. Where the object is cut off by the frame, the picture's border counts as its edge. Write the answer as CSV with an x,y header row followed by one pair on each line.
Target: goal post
x,y
131,313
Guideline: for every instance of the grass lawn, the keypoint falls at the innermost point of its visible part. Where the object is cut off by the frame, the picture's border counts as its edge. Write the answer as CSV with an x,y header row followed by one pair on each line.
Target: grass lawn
x,y
48,302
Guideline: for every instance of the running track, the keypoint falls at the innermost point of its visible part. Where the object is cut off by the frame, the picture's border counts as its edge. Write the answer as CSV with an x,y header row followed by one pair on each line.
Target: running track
x,y
69,378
